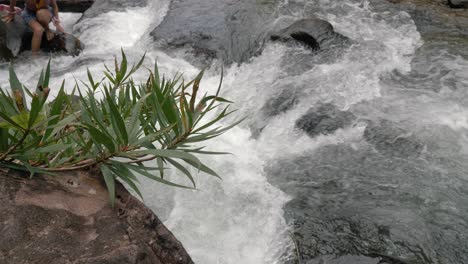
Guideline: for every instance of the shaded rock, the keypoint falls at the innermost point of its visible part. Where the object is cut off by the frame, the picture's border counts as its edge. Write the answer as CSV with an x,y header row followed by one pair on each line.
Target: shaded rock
x,y
15,37
324,119
458,3
276,105
233,31
280,103
68,219
389,139
312,32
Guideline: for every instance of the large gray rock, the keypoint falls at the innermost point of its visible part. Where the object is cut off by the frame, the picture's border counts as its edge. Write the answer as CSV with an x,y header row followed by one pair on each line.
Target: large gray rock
x,y
230,30
68,219
313,32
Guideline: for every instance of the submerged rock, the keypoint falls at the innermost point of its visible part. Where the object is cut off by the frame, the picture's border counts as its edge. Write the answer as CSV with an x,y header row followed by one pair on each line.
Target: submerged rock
x,y
229,30
389,139
312,32
15,37
324,119
68,219
276,105
349,203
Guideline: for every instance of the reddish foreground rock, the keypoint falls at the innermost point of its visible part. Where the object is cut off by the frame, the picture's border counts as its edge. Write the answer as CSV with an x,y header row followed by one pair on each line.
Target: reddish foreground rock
x,y
68,219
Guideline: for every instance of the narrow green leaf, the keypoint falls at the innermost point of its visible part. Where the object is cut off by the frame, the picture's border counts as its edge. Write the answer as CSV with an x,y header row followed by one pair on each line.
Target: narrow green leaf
x,y
17,91
101,138
9,122
124,173
167,153
45,83
143,171
119,122
109,179
183,170
203,168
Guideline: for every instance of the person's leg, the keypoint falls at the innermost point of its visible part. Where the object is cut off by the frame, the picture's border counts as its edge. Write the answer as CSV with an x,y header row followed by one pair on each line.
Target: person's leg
x,y
44,16
38,30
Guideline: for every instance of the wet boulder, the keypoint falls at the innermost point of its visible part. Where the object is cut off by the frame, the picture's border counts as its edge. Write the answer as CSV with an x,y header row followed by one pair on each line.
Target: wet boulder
x,y
280,103
276,105
389,139
324,119
232,31
314,33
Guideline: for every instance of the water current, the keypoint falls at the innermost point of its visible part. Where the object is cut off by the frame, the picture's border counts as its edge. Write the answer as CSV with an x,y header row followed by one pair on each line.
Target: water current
x,y
393,182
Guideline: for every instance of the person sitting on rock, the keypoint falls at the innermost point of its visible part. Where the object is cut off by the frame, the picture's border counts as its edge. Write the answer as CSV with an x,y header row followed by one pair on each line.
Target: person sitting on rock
x,y
37,14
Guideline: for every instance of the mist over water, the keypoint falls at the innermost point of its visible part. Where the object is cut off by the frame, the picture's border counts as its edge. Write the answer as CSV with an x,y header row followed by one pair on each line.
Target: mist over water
x,y
282,189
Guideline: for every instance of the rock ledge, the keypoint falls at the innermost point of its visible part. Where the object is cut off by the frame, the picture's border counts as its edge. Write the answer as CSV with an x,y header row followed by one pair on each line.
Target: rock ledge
x,y
67,219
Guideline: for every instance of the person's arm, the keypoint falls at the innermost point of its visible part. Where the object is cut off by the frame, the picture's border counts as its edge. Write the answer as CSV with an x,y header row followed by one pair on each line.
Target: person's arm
x,y
54,5
12,6
56,19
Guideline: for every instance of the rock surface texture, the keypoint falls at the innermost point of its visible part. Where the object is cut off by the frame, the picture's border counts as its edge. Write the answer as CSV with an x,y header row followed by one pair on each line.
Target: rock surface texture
x,y
229,30
324,119
68,219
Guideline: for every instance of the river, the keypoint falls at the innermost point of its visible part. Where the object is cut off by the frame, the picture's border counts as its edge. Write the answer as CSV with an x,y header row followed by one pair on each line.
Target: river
x,y
389,184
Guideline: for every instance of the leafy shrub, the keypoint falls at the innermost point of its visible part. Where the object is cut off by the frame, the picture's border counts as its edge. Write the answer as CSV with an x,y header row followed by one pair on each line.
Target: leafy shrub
x,y
130,124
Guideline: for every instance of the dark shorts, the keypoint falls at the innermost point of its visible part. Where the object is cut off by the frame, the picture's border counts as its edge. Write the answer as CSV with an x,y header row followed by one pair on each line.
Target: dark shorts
x,y
29,15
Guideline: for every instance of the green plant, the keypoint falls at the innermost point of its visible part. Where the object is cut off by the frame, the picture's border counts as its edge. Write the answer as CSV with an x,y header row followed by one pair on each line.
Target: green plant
x,y
113,124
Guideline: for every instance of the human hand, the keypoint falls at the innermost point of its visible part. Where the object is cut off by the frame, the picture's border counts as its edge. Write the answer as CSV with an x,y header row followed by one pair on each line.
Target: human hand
x,y
57,25
10,16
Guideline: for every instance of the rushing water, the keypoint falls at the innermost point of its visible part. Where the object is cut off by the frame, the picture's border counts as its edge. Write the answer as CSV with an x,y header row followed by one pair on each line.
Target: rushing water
x,y
286,195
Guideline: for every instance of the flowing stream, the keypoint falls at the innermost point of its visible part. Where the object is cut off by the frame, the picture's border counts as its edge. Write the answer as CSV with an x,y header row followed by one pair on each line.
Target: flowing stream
x,y
391,185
